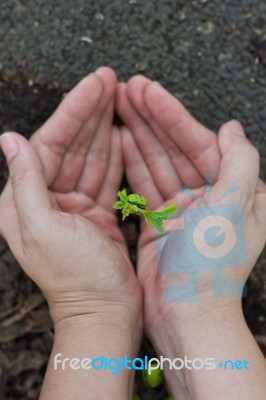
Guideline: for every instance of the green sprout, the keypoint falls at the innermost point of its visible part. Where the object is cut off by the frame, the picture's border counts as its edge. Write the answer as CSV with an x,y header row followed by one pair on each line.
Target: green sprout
x,y
136,204
154,379
135,397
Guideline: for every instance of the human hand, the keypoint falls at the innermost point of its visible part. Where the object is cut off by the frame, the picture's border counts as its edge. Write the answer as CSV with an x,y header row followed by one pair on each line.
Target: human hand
x,y
165,150
56,210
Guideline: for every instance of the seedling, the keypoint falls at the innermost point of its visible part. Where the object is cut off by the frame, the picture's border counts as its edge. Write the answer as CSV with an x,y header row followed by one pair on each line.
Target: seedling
x,y
136,204
153,379
135,397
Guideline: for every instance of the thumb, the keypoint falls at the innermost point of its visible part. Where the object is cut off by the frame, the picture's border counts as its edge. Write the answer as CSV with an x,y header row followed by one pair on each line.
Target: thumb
x,y
30,193
240,159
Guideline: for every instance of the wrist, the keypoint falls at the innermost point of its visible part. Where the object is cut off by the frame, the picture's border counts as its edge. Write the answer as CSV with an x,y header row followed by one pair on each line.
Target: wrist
x,y
105,305
117,336
183,330
111,320
96,335
199,335
184,318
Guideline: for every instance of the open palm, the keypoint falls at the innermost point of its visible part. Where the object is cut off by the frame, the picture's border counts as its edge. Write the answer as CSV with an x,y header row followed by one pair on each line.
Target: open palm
x,y
80,151
81,158
165,151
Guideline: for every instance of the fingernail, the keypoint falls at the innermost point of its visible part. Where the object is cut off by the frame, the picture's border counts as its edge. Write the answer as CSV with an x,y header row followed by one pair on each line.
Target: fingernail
x,y
155,83
9,145
89,75
236,128
99,71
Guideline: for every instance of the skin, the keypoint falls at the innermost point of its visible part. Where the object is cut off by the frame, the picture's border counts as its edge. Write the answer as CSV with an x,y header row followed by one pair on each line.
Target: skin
x,y
160,133
56,214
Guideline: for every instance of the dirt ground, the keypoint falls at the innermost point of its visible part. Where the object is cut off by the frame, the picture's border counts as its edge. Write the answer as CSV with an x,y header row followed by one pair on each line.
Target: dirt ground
x,y
209,54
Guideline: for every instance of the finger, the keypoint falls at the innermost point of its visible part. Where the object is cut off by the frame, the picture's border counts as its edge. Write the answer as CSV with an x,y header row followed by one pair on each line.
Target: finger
x,y
110,186
240,162
138,175
184,168
196,141
261,187
55,135
30,193
153,154
8,217
98,156
84,144
260,204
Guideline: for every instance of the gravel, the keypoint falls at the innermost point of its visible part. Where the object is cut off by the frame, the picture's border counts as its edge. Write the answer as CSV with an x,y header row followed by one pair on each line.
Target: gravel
x,y
200,50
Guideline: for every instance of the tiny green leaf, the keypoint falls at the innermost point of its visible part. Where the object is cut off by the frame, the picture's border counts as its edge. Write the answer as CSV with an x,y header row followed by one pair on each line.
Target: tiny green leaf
x,y
135,397
158,221
122,195
118,205
136,204
153,379
148,218
170,208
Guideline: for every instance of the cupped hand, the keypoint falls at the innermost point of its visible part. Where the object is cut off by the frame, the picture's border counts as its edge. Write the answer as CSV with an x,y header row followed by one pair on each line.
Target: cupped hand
x,y
169,156
56,209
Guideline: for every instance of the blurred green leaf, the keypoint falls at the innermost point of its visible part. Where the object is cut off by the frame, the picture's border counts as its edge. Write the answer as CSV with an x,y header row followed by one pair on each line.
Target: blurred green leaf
x,y
118,205
122,194
153,379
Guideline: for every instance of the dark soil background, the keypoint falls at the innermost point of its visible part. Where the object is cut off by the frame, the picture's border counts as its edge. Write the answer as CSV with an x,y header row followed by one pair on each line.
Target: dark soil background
x,y
211,54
